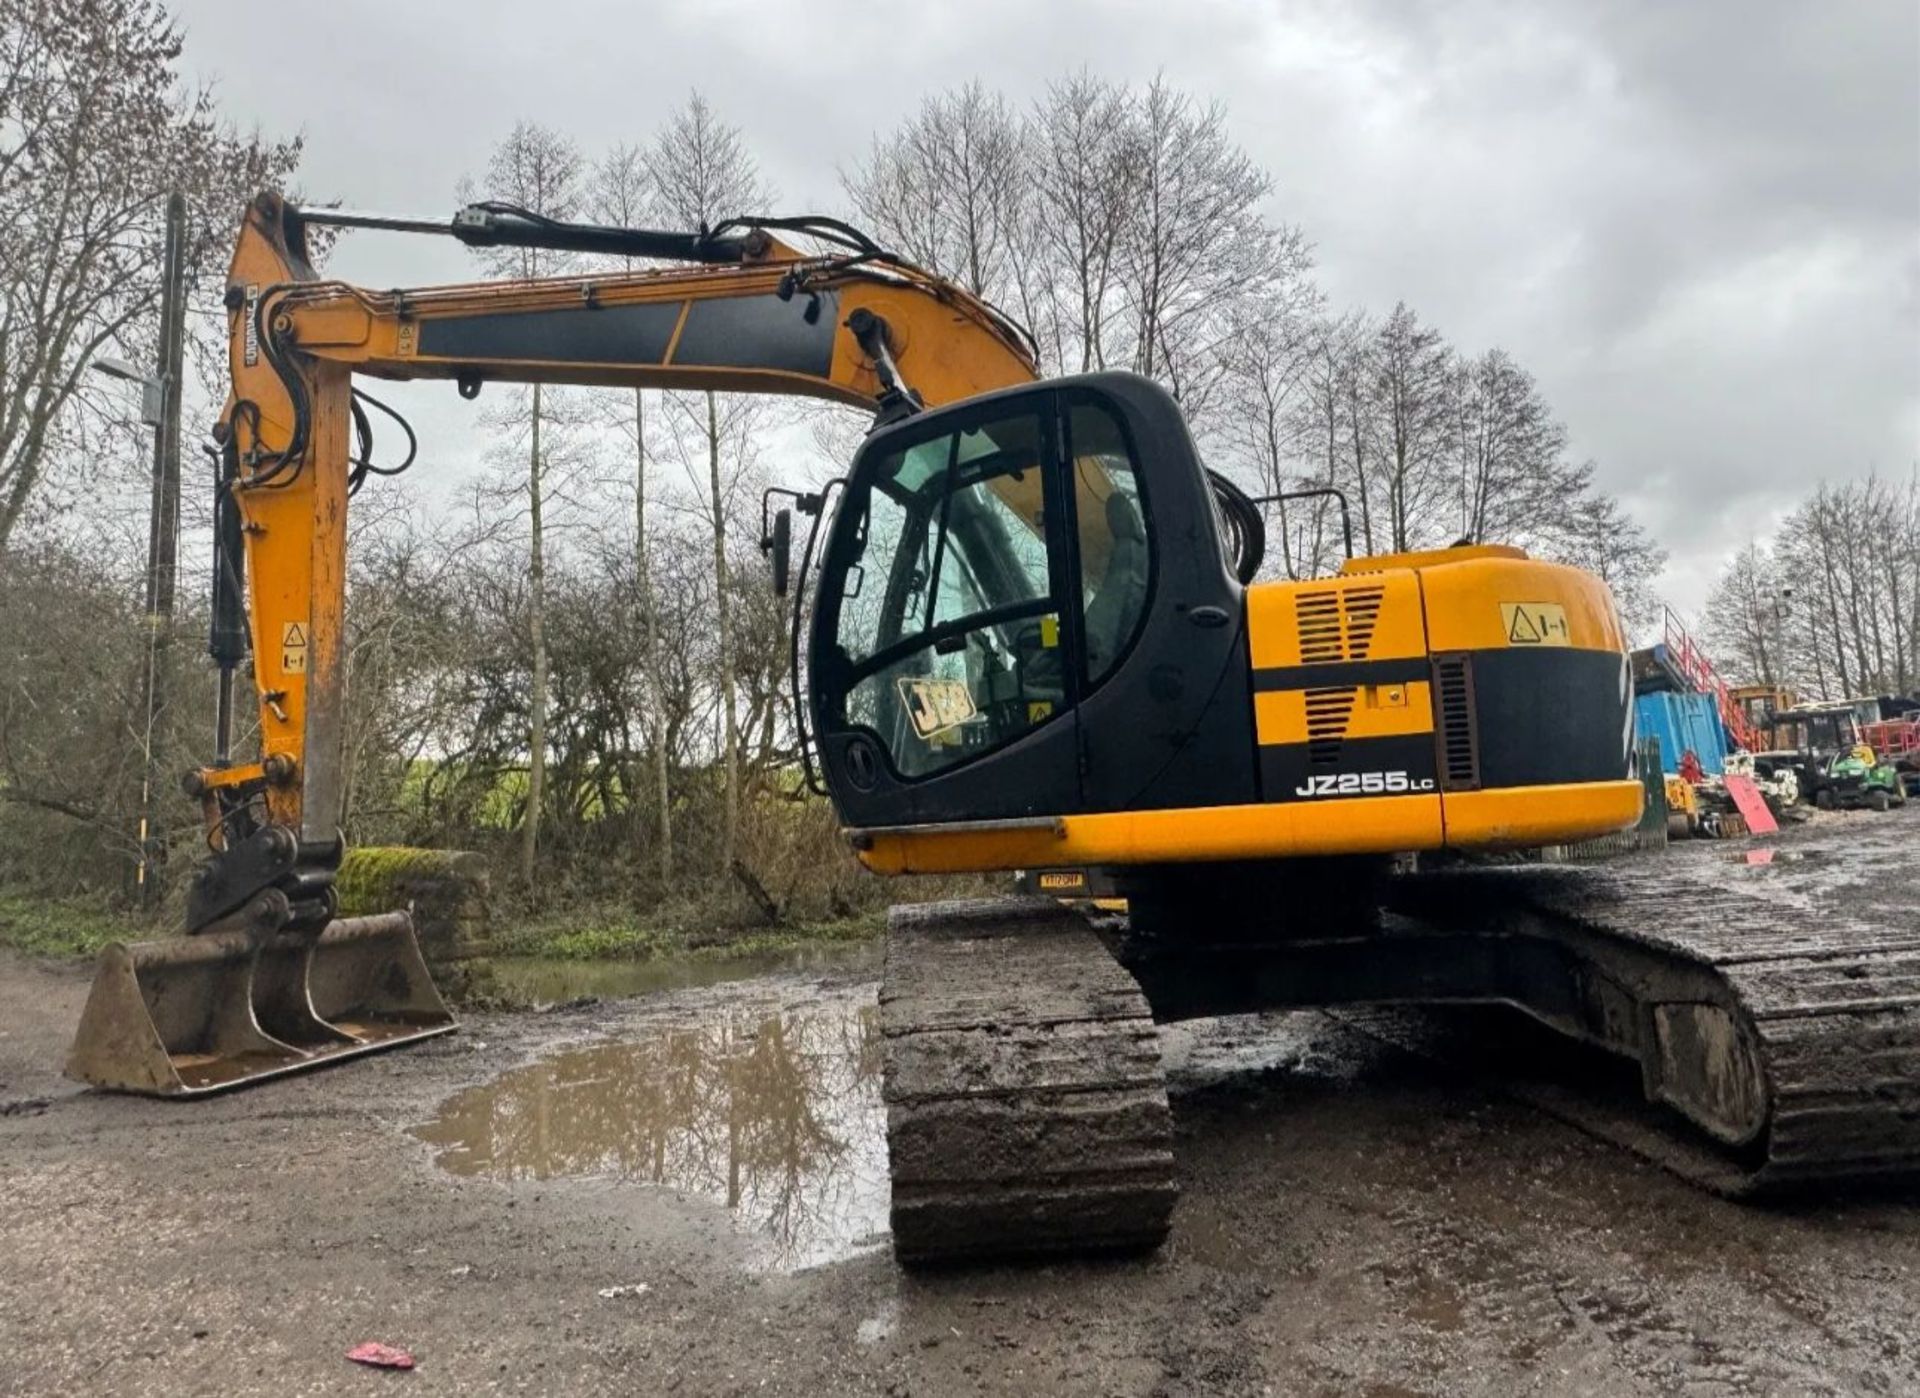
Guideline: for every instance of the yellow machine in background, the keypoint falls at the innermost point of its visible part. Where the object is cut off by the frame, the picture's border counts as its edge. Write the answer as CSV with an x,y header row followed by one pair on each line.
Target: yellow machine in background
x,y
1683,808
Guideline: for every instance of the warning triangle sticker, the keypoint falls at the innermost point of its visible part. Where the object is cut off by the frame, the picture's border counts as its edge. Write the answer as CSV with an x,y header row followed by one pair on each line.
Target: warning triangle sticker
x,y
1523,632
294,636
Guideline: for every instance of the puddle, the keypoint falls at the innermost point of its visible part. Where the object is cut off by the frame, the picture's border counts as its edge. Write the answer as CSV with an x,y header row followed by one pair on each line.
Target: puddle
x,y
539,980
776,1116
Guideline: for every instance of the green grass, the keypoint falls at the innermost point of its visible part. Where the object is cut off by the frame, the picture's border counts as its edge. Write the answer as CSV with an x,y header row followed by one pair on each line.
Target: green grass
x,y
67,927
605,935
852,929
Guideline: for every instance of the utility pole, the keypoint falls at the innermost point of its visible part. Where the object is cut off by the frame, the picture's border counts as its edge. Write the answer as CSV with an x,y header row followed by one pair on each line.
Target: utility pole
x,y
163,543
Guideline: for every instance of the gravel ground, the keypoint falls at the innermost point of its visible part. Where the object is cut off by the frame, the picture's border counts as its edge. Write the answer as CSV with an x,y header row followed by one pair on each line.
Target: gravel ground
x,y
1355,1219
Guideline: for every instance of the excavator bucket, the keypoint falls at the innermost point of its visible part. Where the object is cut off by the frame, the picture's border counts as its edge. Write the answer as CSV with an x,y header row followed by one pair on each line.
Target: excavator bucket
x,y
191,1016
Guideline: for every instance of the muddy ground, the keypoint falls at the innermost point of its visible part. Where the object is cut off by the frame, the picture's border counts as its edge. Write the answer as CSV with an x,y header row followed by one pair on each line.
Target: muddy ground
x,y
1355,1219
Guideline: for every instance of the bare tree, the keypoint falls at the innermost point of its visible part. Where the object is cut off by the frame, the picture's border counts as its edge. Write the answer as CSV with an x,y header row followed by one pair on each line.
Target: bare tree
x,y
949,190
1318,417
1601,537
94,130
1271,421
1746,618
1514,480
1851,553
1405,381
1196,257
625,193
537,169
1084,179
702,174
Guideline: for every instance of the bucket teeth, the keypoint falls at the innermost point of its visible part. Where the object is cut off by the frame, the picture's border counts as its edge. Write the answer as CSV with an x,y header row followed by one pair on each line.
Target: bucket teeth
x,y
195,1015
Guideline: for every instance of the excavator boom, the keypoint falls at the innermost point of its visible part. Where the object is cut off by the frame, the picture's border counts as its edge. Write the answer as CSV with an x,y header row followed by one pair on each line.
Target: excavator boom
x,y
851,329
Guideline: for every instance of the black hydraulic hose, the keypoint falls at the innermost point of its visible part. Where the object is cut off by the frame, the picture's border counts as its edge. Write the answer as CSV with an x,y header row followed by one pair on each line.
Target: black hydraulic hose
x,y
829,230
364,464
291,455
413,440
1245,533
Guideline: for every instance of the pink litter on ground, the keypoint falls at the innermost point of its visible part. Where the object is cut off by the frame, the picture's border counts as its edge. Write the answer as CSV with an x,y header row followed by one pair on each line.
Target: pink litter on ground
x,y
380,1356
1759,856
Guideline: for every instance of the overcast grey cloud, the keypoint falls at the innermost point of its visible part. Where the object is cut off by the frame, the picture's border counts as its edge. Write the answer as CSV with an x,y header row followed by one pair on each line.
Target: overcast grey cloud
x,y
1698,224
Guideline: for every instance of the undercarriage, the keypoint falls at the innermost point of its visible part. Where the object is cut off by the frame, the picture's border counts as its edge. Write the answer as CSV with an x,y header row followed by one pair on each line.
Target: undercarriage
x,y
1772,1010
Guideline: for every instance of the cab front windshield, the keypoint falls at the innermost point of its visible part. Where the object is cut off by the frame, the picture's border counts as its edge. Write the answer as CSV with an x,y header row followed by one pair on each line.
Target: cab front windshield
x,y
948,635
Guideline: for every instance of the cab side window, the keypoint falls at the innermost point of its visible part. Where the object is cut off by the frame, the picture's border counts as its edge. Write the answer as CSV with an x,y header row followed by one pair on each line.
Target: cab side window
x,y
1116,560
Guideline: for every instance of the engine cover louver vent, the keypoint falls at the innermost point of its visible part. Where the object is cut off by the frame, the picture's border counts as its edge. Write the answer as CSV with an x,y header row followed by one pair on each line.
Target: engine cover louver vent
x,y
1328,711
1317,617
1453,702
1334,625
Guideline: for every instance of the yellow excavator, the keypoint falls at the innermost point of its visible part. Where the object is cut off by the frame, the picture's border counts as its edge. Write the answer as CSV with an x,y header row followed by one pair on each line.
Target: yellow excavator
x,y
1035,641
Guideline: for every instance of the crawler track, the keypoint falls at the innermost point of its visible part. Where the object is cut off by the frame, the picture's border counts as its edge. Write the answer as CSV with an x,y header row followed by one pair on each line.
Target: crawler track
x,y
1816,960
1026,1108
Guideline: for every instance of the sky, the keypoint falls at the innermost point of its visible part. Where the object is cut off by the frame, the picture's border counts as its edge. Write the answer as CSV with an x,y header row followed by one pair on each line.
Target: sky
x,y
1697,224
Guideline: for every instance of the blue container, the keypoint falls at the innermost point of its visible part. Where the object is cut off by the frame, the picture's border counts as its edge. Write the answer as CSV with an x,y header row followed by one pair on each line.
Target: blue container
x,y
1683,723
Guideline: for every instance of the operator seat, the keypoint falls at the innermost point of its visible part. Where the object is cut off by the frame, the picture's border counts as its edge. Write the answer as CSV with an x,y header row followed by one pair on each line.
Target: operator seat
x,y
1122,593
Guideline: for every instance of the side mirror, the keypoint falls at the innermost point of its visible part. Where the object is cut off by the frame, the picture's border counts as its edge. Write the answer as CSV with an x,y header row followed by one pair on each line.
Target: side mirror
x,y
779,545
776,529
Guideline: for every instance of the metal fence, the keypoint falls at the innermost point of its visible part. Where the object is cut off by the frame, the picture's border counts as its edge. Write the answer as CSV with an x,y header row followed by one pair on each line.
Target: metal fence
x,y
1650,833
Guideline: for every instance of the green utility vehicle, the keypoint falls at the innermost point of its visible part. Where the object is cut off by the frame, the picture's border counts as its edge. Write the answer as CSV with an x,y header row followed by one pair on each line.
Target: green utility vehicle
x,y
1822,745
1858,778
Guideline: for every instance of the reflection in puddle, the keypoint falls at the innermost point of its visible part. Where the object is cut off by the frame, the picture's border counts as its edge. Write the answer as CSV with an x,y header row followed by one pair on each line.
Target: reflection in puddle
x,y
777,1116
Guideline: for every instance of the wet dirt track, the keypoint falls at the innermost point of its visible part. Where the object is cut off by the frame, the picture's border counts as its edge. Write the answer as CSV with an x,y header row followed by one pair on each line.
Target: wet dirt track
x,y
1354,1220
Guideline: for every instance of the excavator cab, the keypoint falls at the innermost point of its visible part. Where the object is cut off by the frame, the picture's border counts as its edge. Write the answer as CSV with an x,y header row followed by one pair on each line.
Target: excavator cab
x,y
989,571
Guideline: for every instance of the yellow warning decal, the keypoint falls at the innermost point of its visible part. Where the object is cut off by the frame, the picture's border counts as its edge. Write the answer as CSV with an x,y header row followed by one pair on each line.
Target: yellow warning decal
x,y
1038,709
1535,624
1049,631
1065,881
293,649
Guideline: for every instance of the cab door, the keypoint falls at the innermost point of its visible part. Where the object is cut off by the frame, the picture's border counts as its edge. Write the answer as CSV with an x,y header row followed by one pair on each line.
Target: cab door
x,y
943,683
1165,716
